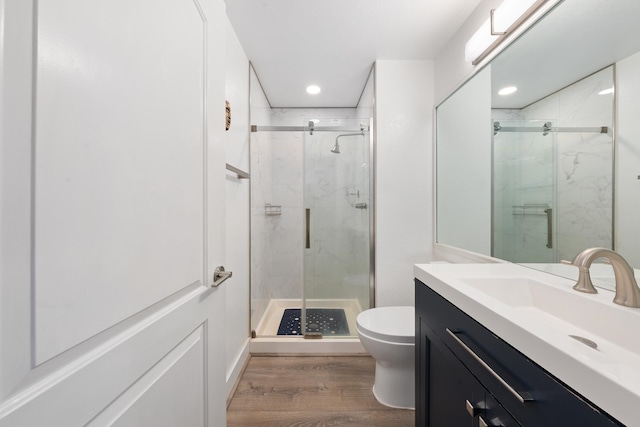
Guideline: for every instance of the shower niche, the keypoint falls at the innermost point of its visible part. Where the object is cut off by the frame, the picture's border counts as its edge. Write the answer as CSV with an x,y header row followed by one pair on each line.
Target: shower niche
x,y
311,263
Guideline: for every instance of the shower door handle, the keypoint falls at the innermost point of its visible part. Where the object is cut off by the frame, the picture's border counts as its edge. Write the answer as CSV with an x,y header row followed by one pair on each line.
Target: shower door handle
x,y
308,228
549,213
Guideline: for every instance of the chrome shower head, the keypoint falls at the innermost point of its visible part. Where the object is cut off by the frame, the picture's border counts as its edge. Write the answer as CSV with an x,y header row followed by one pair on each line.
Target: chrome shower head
x,y
336,148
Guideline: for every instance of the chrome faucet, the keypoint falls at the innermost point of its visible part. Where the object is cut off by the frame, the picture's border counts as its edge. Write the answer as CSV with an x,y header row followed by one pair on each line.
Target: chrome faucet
x,y
627,291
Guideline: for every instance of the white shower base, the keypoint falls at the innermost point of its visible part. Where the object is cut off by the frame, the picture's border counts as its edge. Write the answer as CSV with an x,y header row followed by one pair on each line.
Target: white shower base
x,y
269,342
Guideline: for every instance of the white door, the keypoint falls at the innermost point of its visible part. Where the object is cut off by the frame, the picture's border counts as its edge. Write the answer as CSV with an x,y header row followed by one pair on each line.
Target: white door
x,y
111,183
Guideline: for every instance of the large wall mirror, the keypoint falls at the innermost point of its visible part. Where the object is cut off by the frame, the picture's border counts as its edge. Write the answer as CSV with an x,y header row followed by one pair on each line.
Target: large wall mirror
x,y
553,168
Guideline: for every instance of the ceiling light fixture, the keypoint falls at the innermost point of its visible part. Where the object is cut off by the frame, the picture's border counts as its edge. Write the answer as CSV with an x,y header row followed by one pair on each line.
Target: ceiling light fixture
x,y
606,91
313,90
502,21
507,90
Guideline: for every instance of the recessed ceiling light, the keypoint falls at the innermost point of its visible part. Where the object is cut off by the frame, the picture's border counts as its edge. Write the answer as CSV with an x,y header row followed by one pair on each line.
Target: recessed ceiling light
x,y
313,90
606,91
507,90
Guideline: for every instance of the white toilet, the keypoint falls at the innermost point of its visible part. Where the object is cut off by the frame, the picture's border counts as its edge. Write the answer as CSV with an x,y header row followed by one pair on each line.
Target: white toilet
x,y
388,334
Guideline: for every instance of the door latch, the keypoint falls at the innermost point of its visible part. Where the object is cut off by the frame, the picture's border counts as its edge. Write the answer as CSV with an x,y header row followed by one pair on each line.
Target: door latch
x,y
219,276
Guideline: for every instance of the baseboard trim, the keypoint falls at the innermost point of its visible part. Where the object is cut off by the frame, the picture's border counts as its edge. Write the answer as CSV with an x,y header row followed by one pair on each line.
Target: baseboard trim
x,y
301,346
240,365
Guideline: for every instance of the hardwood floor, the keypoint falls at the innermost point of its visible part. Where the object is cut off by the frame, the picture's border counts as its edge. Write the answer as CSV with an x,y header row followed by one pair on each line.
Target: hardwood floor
x,y
306,391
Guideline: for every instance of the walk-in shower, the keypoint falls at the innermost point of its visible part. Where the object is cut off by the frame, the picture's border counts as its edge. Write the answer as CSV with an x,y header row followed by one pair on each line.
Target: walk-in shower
x,y
312,225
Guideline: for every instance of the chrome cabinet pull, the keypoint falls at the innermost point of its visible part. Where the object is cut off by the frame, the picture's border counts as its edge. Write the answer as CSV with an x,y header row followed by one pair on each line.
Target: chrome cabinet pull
x,y
219,276
521,396
494,423
472,410
483,423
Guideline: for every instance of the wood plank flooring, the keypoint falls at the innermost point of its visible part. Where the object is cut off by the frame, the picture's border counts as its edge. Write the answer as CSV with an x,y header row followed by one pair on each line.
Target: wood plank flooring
x,y
306,391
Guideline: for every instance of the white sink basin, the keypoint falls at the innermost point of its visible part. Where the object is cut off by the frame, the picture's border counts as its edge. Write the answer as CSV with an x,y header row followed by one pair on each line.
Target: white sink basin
x,y
565,309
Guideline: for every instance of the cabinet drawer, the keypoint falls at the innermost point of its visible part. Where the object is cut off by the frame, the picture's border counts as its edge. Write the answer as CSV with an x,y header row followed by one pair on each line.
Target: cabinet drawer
x,y
454,396
529,393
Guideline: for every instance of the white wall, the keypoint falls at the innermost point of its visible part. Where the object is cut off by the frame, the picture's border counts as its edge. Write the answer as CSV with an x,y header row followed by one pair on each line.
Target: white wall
x,y
627,190
237,201
404,114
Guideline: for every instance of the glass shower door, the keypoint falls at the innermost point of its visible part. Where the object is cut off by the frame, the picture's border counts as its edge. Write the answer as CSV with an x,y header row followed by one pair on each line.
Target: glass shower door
x,y
524,191
337,213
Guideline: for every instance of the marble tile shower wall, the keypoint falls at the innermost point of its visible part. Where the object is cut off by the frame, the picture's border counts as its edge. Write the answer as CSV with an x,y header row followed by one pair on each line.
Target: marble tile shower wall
x,y
584,171
334,256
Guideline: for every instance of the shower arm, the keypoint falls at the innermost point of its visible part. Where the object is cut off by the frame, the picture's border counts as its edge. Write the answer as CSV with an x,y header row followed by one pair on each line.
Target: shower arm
x,y
349,134
336,147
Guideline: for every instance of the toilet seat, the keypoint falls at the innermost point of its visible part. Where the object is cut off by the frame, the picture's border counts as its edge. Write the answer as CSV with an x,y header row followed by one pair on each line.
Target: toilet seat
x,y
391,324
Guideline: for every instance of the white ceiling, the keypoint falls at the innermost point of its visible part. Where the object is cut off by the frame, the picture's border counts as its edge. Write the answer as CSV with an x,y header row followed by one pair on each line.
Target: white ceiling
x,y
333,43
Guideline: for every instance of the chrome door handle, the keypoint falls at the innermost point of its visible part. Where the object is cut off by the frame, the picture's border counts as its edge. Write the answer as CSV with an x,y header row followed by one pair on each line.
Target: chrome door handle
x,y
307,217
219,276
549,213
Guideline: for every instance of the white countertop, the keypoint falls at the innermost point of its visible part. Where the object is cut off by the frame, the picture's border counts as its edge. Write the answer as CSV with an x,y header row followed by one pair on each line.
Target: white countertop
x,y
609,376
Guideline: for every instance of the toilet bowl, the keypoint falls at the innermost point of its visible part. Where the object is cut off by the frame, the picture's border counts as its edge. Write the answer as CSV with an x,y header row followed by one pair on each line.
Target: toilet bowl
x,y
388,334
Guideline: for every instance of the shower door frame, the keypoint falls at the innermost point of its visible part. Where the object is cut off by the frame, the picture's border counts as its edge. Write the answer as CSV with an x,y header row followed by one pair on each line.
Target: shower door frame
x,y
372,203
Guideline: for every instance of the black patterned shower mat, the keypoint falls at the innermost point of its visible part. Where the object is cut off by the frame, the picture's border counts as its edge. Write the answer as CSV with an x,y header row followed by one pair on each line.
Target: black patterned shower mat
x,y
327,321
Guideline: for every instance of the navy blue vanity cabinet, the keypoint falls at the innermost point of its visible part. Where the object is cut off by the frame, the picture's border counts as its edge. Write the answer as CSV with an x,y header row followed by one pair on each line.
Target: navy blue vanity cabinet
x,y
467,376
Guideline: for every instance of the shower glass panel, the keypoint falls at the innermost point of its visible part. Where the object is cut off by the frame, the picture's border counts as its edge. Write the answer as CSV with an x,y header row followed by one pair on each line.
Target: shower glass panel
x,y
337,212
524,177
